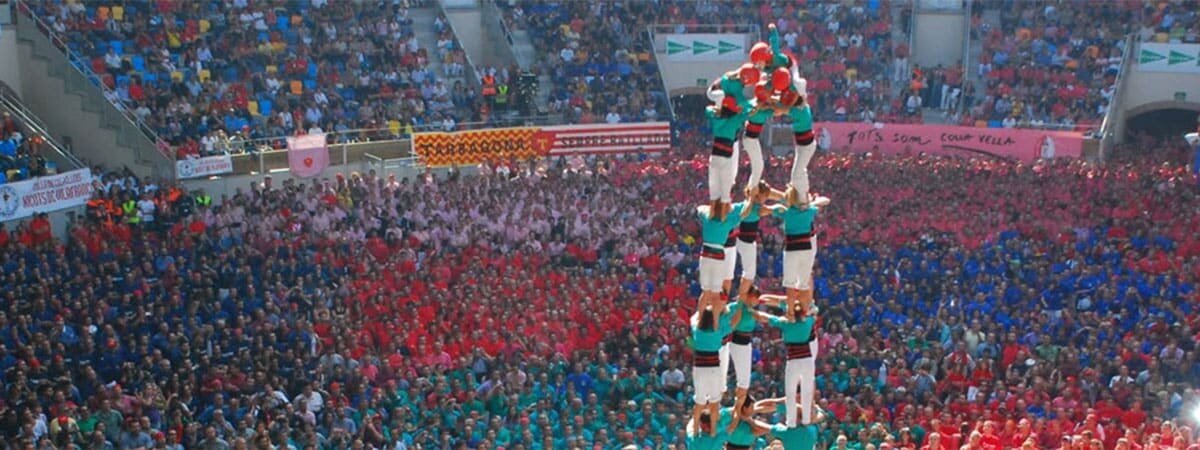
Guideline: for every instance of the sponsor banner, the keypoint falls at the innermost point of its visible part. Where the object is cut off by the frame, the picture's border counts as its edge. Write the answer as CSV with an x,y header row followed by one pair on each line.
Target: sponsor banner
x,y
1178,58
201,167
610,138
476,146
1010,143
45,194
707,47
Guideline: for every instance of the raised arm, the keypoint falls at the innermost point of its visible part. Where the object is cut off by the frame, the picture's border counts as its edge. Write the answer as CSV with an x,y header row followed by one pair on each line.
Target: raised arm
x,y
772,299
763,317
820,201
767,405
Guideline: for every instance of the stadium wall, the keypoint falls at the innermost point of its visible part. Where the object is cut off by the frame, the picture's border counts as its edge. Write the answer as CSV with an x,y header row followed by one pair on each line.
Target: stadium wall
x,y
230,185
939,37
1171,90
10,69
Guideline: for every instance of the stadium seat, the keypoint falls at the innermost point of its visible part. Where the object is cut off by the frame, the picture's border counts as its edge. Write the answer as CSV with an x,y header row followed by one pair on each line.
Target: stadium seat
x,y
205,75
310,84
282,23
252,106
138,62
177,76
150,78
118,13
204,25
118,47
265,106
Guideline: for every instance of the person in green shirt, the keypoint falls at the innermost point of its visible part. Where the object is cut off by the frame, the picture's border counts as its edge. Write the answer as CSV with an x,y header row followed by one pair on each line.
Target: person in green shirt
x,y
708,332
800,246
739,347
717,221
797,330
703,434
726,120
742,430
734,84
800,437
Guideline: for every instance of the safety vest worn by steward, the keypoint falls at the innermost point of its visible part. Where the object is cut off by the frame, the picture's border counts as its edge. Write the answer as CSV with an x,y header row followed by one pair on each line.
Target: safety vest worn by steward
x,y
204,200
502,94
489,86
130,209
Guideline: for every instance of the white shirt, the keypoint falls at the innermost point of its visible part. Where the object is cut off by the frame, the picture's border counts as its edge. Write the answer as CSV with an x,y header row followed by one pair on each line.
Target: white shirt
x,y
612,117
567,54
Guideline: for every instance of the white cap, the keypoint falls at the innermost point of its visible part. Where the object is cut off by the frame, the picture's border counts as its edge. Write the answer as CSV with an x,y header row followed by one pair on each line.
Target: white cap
x,y
1192,138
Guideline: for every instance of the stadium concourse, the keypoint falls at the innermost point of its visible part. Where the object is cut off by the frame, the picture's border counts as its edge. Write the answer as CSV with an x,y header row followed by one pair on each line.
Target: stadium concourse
x,y
323,315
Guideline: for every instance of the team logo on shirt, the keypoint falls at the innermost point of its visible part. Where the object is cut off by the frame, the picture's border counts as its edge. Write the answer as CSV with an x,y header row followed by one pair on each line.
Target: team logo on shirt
x,y
9,201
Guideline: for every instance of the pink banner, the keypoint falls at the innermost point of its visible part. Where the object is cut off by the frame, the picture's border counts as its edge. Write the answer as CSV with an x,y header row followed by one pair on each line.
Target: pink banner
x,y
1022,144
307,155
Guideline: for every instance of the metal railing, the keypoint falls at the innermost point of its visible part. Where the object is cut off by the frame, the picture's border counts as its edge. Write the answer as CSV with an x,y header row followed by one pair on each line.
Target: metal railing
x,y
13,104
82,66
1108,134
471,75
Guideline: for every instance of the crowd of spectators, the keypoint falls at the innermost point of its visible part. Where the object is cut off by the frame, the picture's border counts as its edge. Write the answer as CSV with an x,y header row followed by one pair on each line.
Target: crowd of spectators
x,y
540,307
212,75
1050,64
20,151
599,55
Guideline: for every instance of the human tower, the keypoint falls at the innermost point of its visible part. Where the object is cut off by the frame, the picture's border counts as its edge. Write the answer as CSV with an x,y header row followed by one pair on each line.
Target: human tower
x,y
725,321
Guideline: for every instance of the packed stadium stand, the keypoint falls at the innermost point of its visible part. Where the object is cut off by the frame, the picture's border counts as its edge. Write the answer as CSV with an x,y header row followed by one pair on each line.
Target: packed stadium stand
x,y
967,301
1052,66
211,78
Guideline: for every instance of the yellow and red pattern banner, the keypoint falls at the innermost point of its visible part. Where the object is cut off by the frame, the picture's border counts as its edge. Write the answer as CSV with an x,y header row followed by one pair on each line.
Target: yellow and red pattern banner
x,y
477,146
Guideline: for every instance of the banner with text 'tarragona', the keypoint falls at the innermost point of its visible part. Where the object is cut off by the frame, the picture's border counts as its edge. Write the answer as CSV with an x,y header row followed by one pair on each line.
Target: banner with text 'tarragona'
x,y
501,144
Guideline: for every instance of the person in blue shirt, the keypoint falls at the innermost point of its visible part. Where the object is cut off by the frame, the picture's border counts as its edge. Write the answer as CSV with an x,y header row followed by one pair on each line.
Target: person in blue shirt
x,y
708,334
800,246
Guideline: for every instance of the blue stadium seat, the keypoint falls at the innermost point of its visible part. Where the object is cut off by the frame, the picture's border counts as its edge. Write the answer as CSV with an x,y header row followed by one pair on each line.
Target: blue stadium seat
x,y
138,62
995,124
150,78
264,106
310,84
282,22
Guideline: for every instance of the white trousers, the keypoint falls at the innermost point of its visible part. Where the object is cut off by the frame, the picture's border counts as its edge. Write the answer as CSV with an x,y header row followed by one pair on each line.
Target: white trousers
x,y
724,355
730,265
754,150
801,155
742,357
798,267
722,172
748,253
706,383
800,374
711,271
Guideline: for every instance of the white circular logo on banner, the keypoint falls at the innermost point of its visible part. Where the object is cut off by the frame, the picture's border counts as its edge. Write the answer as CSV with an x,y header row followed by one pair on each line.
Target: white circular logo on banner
x,y
186,169
9,201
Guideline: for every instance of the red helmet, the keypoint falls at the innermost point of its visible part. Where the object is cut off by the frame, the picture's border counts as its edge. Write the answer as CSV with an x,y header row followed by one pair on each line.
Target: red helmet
x,y
760,53
748,74
731,104
761,92
780,79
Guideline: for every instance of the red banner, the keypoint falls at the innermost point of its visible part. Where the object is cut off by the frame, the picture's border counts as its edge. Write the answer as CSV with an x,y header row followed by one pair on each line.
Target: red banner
x,y
1013,143
476,146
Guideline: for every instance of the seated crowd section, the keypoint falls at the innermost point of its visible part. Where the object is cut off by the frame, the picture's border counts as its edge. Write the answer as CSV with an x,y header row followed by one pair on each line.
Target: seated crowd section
x,y
1052,64
20,150
209,76
537,308
601,60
